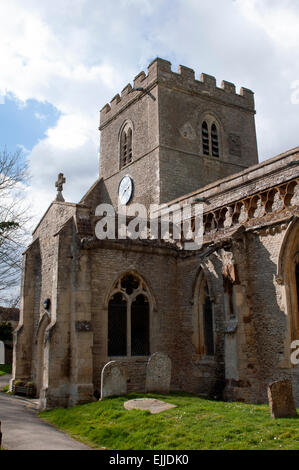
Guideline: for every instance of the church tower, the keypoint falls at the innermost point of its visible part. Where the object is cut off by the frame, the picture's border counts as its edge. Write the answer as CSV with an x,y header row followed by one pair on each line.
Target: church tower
x,y
171,134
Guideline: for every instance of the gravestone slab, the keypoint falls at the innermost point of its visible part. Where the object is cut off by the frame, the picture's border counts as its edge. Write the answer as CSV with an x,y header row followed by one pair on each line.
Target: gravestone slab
x,y
150,404
113,380
158,373
281,401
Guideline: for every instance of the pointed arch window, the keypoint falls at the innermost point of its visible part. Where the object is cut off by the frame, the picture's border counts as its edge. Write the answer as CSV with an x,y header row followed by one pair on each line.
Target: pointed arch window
x,y
288,277
204,333
292,280
140,326
208,323
126,141
129,318
117,326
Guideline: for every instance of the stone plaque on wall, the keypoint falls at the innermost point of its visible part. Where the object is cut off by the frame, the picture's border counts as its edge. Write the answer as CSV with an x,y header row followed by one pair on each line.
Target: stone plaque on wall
x,y
234,142
187,132
113,380
83,326
158,373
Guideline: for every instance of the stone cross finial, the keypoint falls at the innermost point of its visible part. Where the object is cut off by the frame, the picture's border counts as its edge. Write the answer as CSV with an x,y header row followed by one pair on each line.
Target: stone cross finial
x,y
59,185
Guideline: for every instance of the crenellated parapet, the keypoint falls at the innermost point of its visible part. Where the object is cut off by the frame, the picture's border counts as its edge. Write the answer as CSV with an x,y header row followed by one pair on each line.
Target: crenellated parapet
x,y
159,72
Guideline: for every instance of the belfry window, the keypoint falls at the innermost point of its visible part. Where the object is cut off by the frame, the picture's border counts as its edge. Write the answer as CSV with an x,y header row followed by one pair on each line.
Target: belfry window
x,y
129,318
126,146
210,138
205,139
214,137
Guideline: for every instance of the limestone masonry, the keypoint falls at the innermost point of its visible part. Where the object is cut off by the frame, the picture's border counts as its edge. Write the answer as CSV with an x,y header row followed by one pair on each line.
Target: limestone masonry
x,y
226,315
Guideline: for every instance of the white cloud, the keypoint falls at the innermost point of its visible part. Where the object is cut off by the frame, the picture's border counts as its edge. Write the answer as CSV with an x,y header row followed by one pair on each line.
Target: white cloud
x,y
71,132
278,19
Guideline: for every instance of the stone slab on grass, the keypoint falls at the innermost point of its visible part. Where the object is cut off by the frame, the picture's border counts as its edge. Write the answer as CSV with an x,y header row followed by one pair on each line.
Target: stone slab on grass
x,y
150,404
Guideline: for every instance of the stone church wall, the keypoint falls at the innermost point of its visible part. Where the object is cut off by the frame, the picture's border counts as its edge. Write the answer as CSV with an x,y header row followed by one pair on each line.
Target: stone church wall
x,y
157,269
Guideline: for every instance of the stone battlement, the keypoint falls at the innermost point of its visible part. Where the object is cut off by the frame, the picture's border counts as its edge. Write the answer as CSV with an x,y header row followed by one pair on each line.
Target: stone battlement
x,y
159,71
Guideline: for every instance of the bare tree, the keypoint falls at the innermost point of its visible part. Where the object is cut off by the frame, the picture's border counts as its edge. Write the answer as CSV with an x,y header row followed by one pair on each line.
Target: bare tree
x,y
13,219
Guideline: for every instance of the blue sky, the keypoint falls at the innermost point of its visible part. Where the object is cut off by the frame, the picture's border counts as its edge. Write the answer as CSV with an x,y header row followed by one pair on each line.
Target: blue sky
x,y
62,60
24,124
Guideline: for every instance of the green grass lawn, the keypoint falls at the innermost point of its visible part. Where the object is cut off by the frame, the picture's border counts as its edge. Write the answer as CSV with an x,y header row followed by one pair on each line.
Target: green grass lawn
x,y
195,424
5,369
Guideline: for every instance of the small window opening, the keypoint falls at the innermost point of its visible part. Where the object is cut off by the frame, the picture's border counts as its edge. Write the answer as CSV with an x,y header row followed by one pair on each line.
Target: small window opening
x,y
205,138
215,144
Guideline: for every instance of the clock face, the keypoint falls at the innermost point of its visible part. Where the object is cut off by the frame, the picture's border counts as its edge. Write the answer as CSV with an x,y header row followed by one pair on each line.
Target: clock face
x,y
125,190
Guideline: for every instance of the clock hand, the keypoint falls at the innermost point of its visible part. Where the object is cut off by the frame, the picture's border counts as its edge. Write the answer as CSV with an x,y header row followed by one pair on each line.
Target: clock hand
x,y
124,192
